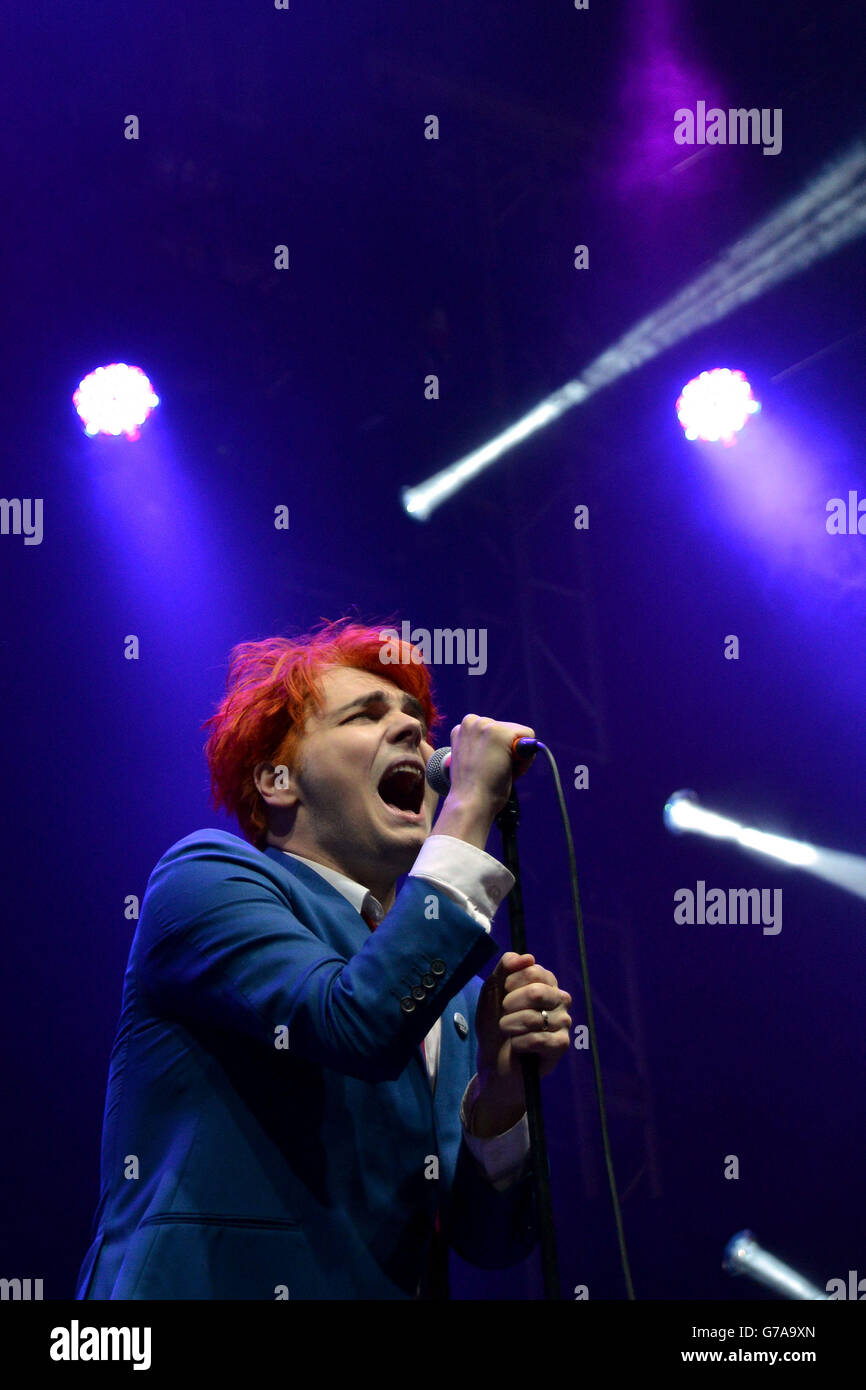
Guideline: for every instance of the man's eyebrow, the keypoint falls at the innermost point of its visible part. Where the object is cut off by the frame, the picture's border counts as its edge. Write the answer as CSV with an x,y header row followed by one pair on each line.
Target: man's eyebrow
x,y
377,697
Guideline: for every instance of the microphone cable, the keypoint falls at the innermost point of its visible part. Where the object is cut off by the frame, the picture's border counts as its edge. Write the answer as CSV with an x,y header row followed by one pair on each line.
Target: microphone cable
x,y
593,1042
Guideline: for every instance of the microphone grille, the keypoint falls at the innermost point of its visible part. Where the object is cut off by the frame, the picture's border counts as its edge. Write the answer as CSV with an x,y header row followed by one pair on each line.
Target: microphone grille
x,y
437,772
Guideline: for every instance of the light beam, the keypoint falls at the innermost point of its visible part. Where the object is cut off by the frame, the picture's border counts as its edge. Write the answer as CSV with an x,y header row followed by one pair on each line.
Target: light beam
x,y
682,813
828,213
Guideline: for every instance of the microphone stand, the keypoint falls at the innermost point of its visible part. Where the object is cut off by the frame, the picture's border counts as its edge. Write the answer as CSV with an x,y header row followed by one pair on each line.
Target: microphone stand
x,y
508,820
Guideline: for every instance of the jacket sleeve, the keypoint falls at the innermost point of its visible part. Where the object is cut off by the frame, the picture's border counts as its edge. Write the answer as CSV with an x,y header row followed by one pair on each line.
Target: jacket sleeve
x,y
489,1228
224,941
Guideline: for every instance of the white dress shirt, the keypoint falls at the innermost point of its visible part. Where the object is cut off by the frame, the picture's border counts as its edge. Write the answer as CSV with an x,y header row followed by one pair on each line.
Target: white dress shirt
x,y
476,882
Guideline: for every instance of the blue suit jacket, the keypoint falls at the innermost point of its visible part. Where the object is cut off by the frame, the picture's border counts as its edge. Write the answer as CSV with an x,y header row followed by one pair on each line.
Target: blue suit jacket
x,y
233,1167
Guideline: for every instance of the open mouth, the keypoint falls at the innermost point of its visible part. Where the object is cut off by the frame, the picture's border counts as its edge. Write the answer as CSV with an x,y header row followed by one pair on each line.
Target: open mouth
x,y
402,788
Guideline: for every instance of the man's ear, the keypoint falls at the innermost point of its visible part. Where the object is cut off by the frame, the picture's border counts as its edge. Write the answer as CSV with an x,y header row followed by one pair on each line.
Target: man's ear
x,y
275,783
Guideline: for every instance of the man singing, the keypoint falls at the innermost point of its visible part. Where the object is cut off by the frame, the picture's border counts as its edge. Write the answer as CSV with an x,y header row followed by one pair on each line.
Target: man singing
x,y
311,1094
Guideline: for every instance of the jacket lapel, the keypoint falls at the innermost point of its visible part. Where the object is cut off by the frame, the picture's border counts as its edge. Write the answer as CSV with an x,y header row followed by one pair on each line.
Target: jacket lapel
x,y
456,1066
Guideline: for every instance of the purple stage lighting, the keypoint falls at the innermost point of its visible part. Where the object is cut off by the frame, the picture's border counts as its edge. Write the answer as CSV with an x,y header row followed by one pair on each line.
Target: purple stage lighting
x,y
115,400
716,405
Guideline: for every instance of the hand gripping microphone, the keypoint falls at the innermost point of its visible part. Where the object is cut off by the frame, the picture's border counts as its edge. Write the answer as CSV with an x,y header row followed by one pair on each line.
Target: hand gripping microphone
x,y
523,750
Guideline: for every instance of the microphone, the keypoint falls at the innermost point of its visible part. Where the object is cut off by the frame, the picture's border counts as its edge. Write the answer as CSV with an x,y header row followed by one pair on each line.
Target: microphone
x,y
523,750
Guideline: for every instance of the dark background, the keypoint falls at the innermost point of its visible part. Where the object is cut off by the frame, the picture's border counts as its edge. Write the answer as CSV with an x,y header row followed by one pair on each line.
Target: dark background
x,y
305,388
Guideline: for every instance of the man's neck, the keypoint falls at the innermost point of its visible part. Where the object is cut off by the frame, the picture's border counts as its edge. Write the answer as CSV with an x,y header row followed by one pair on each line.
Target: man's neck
x,y
385,891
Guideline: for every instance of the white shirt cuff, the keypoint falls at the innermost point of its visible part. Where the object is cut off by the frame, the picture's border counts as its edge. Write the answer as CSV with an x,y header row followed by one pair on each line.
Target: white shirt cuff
x,y
473,878
502,1156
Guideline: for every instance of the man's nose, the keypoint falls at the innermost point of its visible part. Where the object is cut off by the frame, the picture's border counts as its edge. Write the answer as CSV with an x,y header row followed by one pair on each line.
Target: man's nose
x,y
407,729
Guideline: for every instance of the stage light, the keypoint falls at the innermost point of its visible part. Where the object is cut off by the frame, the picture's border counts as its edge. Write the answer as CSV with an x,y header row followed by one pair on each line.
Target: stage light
x,y
115,400
828,213
716,405
743,1255
848,871
682,812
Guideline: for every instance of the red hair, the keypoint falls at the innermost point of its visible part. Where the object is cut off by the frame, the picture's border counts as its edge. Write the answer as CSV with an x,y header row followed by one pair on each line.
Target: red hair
x,y
271,687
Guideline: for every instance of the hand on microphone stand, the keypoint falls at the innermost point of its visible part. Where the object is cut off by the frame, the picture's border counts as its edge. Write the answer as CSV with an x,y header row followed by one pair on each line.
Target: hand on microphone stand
x,y
521,1011
476,773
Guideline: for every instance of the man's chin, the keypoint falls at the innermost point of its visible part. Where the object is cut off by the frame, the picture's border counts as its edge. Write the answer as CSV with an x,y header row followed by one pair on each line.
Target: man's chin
x,y
403,842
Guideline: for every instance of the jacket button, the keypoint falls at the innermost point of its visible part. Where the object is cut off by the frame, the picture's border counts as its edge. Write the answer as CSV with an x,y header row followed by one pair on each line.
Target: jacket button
x,y
461,1025
407,1004
428,981
437,967
419,993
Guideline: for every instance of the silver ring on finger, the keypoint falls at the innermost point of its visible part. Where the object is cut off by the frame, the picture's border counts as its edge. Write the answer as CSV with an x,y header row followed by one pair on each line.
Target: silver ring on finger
x,y
544,1023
